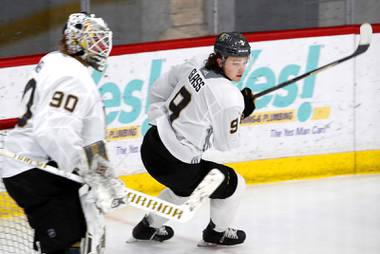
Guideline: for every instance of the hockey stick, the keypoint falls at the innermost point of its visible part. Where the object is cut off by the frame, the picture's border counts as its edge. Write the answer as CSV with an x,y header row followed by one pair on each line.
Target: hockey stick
x,y
364,42
180,213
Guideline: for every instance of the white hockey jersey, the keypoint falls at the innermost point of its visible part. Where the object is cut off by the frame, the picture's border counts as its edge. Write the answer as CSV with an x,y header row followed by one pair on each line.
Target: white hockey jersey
x,y
195,108
64,112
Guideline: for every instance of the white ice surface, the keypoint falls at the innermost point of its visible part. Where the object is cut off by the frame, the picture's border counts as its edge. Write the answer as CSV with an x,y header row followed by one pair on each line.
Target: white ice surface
x,y
327,216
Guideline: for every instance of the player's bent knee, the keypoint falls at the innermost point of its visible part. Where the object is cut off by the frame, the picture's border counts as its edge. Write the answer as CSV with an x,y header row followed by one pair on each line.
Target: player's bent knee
x,y
228,186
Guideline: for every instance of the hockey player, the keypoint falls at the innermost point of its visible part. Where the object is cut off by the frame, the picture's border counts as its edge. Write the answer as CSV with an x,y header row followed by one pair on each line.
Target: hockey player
x,y
64,114
192,108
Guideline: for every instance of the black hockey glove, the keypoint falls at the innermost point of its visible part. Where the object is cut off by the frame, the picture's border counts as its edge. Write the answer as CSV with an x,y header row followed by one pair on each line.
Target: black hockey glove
x,y
249,104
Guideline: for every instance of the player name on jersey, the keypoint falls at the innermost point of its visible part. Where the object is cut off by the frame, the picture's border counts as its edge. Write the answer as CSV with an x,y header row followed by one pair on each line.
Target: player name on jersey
x,y
195,80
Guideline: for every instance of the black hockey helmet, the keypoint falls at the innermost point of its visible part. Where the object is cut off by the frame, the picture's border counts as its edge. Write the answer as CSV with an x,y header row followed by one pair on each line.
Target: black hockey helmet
x,y
232,44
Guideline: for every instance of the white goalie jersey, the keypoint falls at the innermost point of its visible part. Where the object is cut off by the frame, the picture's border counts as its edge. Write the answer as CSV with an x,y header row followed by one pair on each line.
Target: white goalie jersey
x,y
63,113
195,108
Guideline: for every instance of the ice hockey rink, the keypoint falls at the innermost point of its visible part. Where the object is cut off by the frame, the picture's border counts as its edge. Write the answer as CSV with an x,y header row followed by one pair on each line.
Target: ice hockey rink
x,y
327,215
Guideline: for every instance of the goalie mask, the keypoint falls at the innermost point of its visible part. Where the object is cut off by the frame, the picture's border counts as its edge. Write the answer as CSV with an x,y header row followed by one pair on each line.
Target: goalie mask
x,y
89,38
232,44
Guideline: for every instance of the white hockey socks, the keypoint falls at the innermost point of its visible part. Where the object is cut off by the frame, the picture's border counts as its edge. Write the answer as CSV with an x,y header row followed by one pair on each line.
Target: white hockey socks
x,y
223,211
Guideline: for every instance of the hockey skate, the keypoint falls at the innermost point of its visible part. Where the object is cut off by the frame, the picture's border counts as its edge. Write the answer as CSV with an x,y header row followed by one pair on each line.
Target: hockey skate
x,y
212,238
144,232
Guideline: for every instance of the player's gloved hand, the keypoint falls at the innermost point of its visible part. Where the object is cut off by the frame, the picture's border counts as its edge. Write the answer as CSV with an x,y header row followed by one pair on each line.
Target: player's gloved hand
x,y
249,104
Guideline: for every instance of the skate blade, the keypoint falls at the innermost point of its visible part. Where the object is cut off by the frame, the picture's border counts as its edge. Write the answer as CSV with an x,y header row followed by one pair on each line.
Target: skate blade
x,y
214,245
206,244
134,240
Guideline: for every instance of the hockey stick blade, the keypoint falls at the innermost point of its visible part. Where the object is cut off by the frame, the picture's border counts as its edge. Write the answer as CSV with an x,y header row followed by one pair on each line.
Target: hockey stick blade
x,y
181,213
364,43
140,200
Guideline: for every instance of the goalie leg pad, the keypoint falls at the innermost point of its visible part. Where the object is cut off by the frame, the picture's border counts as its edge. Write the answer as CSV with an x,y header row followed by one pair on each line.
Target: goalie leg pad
x,y
94,240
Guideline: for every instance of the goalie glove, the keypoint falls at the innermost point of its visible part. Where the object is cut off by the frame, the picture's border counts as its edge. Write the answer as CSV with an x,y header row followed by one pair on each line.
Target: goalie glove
x,y
107,190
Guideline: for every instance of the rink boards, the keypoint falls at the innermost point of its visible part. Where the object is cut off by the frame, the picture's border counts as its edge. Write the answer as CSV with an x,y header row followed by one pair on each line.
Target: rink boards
x,y
284,169
323,125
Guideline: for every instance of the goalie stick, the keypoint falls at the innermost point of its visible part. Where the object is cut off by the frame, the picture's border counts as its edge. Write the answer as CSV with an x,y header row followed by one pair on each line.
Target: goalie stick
x,y
180,213
364,42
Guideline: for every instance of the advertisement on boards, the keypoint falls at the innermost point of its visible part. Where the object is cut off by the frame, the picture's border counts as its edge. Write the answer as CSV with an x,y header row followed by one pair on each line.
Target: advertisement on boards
x,y
315,115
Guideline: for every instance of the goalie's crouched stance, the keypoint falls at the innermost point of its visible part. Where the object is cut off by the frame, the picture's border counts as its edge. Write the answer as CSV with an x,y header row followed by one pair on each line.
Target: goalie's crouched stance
x,y
64,112
59,215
